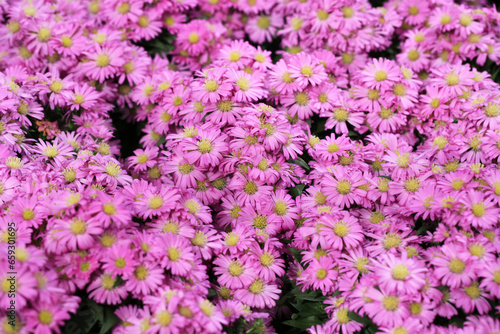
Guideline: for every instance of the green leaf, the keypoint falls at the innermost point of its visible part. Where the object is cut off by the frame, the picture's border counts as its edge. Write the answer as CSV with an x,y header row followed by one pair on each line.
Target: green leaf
x,y
161,141
296,253
297,190
109,321
303,323
301,163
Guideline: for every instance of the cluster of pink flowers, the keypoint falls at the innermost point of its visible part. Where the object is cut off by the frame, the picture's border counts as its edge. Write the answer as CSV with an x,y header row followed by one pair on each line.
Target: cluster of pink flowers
x,y
398,222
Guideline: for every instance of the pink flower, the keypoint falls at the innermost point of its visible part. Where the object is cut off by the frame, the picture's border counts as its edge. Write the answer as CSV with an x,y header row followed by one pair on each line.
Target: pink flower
x,y
258,294
399,275
234,273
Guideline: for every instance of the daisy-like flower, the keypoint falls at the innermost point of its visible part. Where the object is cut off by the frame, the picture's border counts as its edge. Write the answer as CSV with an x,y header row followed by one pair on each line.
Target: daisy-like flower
x,y
332,147
234,273
341,231
108,171
77,233
154,202
472,297
207,148
248,191
103,290
178,255
386,309
491,278
454,267
479,211
212,85
261,28
258,294
248,87
83,96
145,279
143,159
306,70
281,78
119,261
343,188
381,74
399,275
320,274
103,62
57,152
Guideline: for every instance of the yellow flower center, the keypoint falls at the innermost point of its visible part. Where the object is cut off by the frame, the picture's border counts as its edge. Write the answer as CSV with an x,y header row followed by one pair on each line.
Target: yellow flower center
x,y
456,266
413,10
193,206
141,272
45,317
200,239
473,291
391,240
164,318
412,184
211,85
286,78
28,214
225,106
44,34
321,273
174,254
266,259
399,89
232,239
57,86
344,187
479,209
348,12
492,110
373,94
155,202
13,26
322,15
260,222
413,55
123,8
235,269
440,142
250,188
78,226
264,22
102,60
347,58
307,70
280,208
380,75
342,315
205,146
296,23
185,168
143,21
496,276
341,229
400,272
243,83
301,98
445,19
416,308
390,303
452,79
477,249
113,169
120,262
